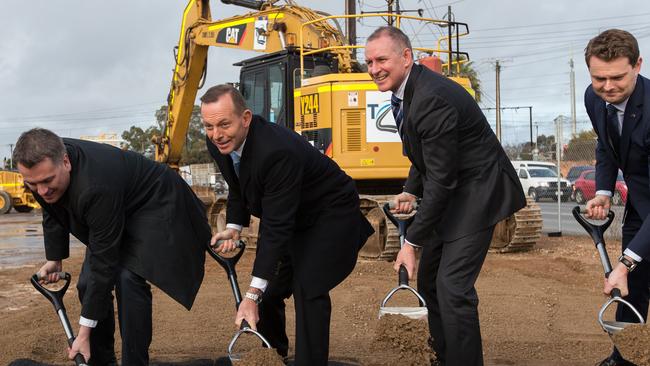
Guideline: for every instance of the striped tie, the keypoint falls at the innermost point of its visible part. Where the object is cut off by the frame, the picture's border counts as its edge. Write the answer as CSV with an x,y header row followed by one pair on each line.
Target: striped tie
x,y
395,103
235,162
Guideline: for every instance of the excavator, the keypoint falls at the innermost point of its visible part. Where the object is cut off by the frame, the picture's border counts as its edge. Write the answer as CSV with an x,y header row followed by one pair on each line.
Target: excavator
x,y
308,80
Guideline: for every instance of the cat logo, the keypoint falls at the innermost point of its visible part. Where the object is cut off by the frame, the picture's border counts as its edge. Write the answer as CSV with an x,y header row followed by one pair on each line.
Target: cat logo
x,y
309,104
232,35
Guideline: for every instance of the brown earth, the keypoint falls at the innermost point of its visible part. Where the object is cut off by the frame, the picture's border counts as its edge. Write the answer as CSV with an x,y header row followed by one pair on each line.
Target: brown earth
x,y
537,308
634,342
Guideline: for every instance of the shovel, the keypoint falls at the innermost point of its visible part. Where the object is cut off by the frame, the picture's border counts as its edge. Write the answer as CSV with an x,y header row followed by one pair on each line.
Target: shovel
x,y
229,265
597,233
56,298
414,312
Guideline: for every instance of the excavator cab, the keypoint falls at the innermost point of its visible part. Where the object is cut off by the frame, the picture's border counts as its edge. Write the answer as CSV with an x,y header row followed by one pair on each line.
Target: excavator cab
x,y
267,82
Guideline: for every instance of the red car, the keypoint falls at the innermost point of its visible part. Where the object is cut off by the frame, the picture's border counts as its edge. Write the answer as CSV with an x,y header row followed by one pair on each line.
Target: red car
x,y
584,188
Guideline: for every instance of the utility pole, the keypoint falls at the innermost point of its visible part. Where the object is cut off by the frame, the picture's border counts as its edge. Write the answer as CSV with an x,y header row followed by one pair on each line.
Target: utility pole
x,y
351,26
498,100
11,156
573,100
390,11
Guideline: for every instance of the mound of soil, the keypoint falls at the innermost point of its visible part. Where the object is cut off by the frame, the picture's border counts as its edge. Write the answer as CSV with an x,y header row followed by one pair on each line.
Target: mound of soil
x,y
404,341
634,343
260,357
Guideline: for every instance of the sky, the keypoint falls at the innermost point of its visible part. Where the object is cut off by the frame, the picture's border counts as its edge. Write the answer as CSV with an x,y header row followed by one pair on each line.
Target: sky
x,y
90,67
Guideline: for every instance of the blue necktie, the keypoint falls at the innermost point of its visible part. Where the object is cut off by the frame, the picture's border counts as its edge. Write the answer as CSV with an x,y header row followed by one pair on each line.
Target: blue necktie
x,y
397,110
613,127
236,159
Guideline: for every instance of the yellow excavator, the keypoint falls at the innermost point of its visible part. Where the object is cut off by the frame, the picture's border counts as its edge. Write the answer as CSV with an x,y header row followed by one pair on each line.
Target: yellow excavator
x,y
307,80
14,194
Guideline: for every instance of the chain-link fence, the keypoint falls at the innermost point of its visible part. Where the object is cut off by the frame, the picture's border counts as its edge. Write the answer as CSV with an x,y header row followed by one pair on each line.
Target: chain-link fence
x,y
535,150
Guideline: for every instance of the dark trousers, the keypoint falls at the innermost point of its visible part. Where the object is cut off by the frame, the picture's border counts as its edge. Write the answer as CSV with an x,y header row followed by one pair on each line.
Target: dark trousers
x,y
272,323
133,295
637,280
312,319
446,277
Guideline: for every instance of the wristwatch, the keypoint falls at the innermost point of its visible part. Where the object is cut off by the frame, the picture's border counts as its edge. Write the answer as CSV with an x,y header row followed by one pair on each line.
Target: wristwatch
x,y
630,264
256,298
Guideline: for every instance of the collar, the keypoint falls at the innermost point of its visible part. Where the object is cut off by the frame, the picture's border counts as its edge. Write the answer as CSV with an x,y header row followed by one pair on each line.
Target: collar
x,y
620,106
239,151
400,91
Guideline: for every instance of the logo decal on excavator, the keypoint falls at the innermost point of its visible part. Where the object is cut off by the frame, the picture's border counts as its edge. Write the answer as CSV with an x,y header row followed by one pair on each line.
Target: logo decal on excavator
x,y
309,104
232,35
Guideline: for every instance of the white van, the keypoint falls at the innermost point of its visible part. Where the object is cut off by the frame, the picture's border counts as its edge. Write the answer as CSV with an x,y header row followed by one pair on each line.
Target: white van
x,y
539,180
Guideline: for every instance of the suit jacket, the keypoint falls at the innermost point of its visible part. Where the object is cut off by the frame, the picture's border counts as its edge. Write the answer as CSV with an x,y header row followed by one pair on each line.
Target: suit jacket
x,y
632,158
130,212
464,177
307,206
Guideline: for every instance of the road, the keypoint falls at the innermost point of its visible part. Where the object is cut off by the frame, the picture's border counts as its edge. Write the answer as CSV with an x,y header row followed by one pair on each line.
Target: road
x,y
569,224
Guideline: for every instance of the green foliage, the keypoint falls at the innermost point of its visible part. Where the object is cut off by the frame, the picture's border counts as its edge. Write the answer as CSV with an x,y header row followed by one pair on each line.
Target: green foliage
x,y
194,149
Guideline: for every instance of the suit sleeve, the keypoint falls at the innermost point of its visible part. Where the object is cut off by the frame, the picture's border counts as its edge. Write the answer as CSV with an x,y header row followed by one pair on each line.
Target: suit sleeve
x,y
236,211
639,244
103,210
281,180
436,123
413,183
56,238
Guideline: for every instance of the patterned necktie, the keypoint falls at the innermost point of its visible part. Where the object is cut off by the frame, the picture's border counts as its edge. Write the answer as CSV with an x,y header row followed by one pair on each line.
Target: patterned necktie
x,y
236,159
395,103
613,127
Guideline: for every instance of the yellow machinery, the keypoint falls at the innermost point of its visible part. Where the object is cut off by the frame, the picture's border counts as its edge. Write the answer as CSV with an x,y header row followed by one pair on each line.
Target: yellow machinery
x,y
307,81
14,194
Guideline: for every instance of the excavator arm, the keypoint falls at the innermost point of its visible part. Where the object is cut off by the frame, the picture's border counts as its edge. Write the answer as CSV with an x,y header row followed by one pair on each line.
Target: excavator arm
x,y
268,29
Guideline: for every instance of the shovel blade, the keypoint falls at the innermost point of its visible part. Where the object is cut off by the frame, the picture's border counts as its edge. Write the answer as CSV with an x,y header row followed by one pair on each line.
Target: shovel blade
x,y
417,313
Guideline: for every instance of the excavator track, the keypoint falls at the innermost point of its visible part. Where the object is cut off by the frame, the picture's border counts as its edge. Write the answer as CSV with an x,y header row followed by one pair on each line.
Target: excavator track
x,y
518,232
384,243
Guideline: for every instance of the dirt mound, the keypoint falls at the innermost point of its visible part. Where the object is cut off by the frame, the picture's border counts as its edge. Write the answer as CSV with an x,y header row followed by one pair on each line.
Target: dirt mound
x,y
404,341
634,343
260,357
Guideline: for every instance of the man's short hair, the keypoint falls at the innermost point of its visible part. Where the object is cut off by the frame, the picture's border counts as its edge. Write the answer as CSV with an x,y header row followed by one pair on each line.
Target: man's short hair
x,y
612,44
36,145
213,94
395,34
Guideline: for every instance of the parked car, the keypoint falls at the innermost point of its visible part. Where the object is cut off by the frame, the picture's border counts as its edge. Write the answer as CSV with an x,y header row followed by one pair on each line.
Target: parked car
x,y
585,188
533,164
542,183
574,172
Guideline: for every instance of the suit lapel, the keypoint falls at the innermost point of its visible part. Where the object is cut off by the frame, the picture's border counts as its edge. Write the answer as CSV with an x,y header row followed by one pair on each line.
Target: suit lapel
x,y
246,157
633,113
601,123
408,97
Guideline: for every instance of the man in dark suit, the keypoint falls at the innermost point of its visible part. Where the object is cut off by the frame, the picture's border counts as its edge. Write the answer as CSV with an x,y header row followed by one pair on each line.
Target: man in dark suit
x,y
465,181
309,217
139,221
618,104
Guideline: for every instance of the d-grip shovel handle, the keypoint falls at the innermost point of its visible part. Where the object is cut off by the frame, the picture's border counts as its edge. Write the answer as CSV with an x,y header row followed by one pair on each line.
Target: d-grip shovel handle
x,y
229,265
401,224
403,276
56,298
597,233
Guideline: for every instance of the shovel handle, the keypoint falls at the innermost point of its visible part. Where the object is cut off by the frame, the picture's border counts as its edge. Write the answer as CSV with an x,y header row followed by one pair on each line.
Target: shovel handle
x,y
227,263
595,231
403,275
55,297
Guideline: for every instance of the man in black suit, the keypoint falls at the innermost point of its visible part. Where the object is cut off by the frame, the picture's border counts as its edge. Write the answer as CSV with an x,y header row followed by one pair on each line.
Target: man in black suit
x,y
139,221
465,181
618,104
310,229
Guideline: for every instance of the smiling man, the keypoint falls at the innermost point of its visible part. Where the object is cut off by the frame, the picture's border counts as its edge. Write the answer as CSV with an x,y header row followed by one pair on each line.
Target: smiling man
x,y
618,104
465,180
139,221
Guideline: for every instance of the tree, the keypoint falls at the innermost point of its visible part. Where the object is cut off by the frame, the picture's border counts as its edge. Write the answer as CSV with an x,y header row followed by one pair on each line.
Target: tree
x,y
194,149
582,147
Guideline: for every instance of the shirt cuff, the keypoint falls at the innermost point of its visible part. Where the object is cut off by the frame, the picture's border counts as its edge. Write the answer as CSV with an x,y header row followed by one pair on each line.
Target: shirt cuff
x,y
87,322
259,283
411,244
239,227
604,193
632,255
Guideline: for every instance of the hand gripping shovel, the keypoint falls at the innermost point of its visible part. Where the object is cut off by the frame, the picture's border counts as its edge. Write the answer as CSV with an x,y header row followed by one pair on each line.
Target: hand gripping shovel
x,y
419,312
229,265
597,233
56,298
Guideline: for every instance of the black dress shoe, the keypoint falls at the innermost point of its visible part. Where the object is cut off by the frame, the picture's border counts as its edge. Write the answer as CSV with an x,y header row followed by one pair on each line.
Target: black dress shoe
x,y
610,361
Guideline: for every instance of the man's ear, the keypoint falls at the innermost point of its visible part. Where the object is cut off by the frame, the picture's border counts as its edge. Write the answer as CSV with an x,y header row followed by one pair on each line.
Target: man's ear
x,y
248,117
66,162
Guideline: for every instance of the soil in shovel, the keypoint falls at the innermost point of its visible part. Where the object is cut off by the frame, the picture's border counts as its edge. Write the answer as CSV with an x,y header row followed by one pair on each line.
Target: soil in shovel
x,y
634,343
402,341
260,357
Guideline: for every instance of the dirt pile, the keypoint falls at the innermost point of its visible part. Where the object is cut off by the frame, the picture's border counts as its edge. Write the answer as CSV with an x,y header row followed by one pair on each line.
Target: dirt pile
x,y
404,341
260,357
634,343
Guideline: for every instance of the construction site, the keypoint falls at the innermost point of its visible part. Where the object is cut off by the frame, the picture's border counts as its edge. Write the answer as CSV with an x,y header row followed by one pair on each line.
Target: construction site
x,y
540,288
